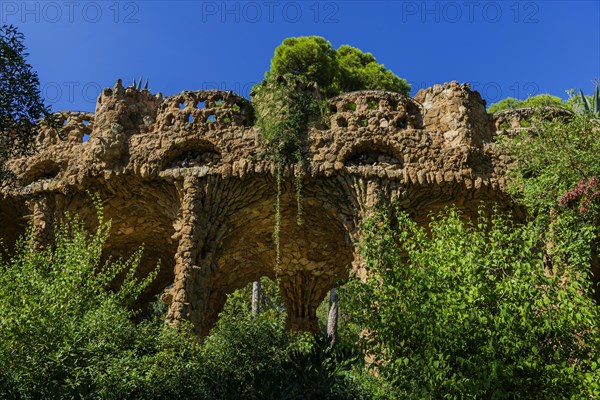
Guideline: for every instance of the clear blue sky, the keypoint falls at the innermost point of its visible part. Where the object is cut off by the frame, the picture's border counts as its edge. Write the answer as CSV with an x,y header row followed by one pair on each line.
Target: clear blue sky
x,y
503,48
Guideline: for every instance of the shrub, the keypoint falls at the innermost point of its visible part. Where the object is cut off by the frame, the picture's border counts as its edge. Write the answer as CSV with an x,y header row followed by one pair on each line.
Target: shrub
x,y
58,321
474,311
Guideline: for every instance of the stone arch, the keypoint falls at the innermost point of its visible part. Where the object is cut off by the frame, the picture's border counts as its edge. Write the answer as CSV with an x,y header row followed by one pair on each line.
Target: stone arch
x,y
191,153
141,215
317,255
236,246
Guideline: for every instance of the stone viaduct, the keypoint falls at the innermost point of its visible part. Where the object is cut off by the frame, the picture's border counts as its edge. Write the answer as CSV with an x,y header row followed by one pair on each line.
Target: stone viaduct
x,y
182,176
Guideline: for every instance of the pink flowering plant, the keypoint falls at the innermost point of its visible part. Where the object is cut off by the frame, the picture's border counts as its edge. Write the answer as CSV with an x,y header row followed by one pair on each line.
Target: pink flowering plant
x,y
584,197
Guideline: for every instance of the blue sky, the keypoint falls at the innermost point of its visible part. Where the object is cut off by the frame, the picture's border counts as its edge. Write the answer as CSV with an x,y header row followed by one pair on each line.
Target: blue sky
x,y
503,48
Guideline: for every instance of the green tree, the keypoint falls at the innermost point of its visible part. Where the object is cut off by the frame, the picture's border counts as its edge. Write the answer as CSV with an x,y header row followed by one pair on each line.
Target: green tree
x,y
347,69
473,310
359,71
21,105
541,100
309,56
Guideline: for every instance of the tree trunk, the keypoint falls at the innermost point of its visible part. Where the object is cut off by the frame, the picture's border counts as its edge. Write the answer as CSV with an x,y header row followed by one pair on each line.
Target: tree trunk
x,y
332,319
256,298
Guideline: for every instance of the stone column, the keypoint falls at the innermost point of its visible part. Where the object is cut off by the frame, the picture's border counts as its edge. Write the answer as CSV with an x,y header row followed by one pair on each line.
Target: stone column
x,y
199,229
42,215
302,295
190,236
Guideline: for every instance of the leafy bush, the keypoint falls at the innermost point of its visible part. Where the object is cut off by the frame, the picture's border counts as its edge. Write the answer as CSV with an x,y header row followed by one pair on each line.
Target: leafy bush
x,y
474,311
541,100
552,160
65,336
253,357
58,321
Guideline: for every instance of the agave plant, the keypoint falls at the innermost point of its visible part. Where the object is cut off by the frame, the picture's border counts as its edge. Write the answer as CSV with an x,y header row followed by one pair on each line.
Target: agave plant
x,y
138,84
593,107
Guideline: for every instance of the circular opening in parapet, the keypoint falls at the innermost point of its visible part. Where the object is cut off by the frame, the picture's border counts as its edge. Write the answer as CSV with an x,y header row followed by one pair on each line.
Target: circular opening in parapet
x,y
226,119
402,123
181,105
350,106
189,118
342,122
211,119
200,104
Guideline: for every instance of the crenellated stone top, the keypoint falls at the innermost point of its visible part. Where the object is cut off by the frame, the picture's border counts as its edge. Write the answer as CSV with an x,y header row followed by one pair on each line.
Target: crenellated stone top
x,y
442,134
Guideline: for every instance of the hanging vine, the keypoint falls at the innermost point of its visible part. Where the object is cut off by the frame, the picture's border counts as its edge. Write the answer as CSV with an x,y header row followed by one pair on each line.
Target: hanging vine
x,y
284,106
277,227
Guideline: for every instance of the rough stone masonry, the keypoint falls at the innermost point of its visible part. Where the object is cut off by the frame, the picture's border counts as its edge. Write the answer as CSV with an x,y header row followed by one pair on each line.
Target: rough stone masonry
x,y
183,176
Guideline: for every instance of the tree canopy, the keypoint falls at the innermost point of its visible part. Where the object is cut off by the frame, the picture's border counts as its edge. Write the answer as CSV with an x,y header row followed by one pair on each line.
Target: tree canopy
x,y
358,71
541,100
21,104
335,71
309,56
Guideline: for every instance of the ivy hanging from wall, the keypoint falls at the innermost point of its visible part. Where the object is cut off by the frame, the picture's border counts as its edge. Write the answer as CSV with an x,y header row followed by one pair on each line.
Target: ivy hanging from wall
x,y
285,106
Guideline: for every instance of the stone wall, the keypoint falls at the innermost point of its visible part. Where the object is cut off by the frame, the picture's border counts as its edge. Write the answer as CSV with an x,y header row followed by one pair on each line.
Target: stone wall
x,y
183,176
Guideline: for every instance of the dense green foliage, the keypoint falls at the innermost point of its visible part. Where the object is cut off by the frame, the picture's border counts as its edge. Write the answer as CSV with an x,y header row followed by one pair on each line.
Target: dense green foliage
x,y
58,322
359,71
335,72
21,105
309,56
541,100
474,311
63,335
553,159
